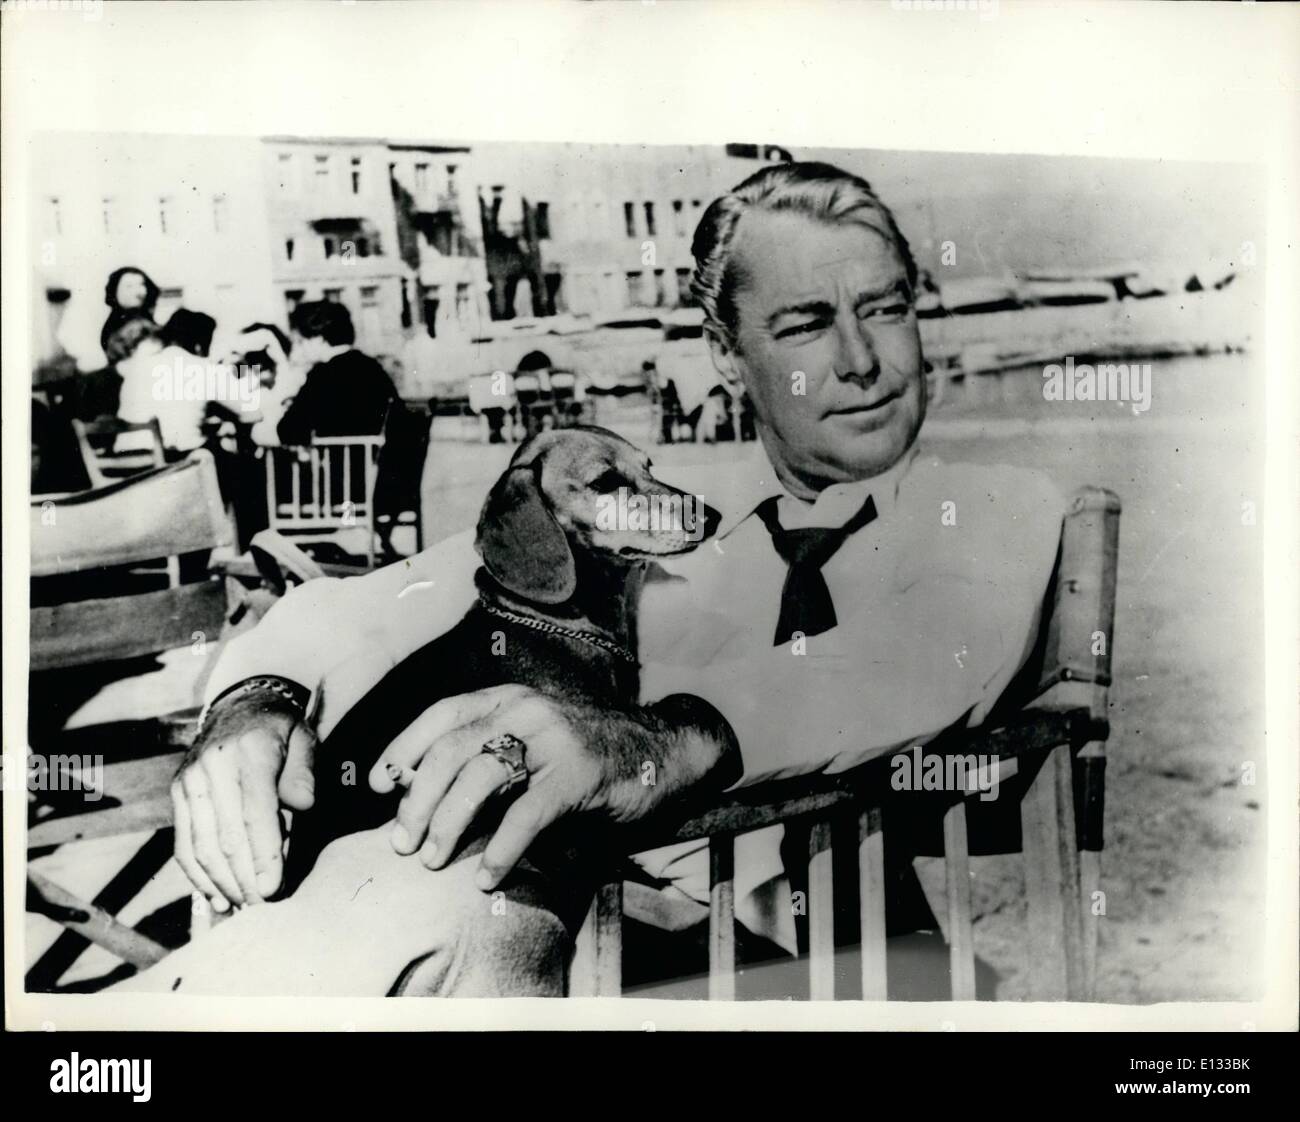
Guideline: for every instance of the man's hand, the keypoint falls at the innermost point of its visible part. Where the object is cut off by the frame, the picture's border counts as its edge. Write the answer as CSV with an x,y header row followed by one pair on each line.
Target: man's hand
x,y
579,758
254,754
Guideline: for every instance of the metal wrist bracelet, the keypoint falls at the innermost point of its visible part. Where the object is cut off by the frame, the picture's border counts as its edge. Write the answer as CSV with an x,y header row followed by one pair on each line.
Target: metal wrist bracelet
x,y
285,689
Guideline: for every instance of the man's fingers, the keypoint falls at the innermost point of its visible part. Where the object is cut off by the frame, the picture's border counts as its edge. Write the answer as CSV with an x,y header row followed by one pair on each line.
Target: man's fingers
x,y
477,782
262,825
527,817
204,831
408,748
297,786
185,851
436,773
226,787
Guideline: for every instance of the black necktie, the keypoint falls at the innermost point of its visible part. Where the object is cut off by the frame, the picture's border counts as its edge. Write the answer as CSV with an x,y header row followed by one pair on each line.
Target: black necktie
x,y
805,600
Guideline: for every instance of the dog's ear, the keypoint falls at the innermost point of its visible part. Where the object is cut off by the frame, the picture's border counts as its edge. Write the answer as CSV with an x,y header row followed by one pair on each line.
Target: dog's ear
x,y
522,545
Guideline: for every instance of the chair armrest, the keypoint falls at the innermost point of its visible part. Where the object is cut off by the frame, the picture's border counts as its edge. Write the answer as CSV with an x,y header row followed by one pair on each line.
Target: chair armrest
x,y
771,802
279,560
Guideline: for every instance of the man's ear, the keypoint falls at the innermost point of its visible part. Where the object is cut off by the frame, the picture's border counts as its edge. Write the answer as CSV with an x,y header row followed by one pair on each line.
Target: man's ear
x,y
522,545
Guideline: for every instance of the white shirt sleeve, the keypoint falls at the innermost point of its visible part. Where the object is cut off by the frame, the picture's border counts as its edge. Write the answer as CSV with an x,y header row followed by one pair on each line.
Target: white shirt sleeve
x,y
339,636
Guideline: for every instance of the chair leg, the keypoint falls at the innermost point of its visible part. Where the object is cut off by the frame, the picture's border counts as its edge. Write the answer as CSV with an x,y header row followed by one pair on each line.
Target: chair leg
x,y
597,967
92,923
871,903
1052,881
722,918
1090,806
961,940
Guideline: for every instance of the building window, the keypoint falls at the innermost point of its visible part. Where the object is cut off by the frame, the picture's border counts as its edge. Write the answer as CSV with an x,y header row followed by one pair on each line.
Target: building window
x,y
356,175
220,213
292,298
333,295
164,213
363,247
451,181
679,219
543,220
371,327
695,206
629,219
636,293
650,219
288,249
684,296
321,174
329,248
284,167
430,298
107,211
462,303
661,290
421,180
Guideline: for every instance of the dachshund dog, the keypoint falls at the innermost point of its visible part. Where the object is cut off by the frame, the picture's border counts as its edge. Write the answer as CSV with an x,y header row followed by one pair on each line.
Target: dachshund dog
x,y
566,535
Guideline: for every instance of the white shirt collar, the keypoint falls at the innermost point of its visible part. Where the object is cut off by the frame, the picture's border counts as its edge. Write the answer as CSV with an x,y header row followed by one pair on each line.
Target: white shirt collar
x,y
757,480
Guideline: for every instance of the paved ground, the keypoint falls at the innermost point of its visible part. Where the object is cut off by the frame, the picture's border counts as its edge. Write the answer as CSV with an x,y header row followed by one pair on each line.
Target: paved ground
x,y
1183,868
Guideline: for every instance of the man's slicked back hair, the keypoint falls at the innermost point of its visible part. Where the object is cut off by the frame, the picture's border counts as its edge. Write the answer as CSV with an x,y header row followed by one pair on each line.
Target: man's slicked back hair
x,y
818,191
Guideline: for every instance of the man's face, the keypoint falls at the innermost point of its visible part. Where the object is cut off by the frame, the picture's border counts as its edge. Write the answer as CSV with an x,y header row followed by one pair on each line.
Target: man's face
x,y
131,291
827,346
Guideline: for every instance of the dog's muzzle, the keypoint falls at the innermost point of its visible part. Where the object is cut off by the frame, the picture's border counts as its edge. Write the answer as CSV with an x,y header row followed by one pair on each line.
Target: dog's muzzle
x,y
510,750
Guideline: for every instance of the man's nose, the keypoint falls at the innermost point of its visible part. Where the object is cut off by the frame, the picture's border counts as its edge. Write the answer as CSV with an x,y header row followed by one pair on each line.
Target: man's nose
x,y
855,356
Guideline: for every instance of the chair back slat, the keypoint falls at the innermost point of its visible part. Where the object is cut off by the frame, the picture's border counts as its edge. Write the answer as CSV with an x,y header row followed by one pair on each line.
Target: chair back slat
x,y
85,632
821,911
871,903
330,487
961,938
597,966
104,466
163,513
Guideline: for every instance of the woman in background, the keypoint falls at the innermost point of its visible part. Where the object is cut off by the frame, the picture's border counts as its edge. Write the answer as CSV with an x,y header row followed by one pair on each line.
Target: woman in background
x,y
130,294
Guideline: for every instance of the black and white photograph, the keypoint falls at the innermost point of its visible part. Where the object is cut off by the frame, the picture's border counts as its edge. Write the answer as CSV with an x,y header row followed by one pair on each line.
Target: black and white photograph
x,y
491,534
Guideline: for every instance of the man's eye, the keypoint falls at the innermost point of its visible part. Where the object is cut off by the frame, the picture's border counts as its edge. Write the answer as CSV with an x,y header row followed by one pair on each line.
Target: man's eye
x,y
805,328
888,312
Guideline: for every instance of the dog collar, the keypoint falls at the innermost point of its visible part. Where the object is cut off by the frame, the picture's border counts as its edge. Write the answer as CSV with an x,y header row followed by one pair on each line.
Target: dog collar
x,y
555,629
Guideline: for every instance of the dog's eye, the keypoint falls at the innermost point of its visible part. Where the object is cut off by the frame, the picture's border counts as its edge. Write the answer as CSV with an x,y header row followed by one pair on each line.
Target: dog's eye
x,y
606,482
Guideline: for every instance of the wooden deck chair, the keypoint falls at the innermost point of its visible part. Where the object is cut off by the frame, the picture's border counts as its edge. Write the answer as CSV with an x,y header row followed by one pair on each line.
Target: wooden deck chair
x,y
119,573
1057,743
105,462
136,797
489,392
319,491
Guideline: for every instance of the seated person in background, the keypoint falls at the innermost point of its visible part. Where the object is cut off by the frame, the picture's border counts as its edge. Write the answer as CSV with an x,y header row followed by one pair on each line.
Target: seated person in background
x,y
130,294
168,375
346,393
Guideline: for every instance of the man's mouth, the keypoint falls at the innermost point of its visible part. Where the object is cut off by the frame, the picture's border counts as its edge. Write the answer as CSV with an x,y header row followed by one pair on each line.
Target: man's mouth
x,y
867,406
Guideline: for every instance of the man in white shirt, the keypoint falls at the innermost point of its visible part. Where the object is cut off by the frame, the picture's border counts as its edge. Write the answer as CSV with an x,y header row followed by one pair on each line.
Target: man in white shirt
x,y
858,597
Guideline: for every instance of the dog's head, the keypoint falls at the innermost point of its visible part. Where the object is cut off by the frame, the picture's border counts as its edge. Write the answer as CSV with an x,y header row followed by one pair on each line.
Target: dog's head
x,y
585,489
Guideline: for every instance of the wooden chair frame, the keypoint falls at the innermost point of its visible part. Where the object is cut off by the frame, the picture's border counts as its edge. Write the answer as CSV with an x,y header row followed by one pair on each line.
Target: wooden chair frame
x,y
138,523
106,468
1062,734
321,514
